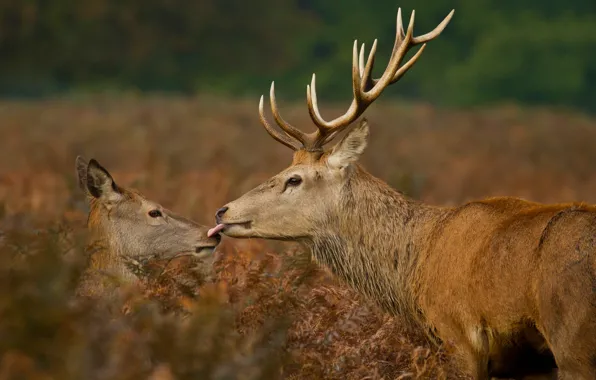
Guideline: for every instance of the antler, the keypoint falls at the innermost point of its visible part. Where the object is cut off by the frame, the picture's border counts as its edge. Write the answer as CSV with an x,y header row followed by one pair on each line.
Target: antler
x,y
365,88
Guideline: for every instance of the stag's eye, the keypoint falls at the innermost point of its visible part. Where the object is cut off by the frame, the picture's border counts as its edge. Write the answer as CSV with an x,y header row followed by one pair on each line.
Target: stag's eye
x,y
155,213
293,181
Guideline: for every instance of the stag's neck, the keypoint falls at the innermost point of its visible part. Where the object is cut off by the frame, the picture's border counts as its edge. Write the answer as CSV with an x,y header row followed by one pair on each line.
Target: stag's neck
x,y
377,241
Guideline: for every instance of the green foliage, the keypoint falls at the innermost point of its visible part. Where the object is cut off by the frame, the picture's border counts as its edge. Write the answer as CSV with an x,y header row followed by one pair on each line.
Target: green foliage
x,y
531,59
532,51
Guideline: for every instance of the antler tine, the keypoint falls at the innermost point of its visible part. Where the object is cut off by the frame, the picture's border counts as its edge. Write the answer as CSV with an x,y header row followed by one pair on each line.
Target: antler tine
x,y
287,127
402,70
274,133
435,32
361,60
399,34
313,107
399,39
356,78
415,41
367,83
325,127
399,26
387,77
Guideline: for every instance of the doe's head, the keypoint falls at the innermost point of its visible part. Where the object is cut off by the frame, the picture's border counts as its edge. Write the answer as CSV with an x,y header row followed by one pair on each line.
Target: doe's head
x,y
135,226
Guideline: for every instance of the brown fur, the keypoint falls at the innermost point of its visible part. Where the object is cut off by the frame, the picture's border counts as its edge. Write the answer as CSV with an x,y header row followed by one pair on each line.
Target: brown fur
x,y
105,262
509,284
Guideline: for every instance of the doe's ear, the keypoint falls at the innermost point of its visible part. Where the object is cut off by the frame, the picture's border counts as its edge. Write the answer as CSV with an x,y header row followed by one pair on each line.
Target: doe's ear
x,y
349,149
81,169
100,183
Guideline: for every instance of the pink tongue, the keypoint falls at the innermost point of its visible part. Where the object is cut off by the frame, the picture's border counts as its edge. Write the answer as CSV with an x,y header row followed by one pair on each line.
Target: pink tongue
x,y
215,230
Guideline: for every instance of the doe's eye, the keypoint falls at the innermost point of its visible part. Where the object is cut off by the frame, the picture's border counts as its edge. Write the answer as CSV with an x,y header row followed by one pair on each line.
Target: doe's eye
x,y
294,181
155,213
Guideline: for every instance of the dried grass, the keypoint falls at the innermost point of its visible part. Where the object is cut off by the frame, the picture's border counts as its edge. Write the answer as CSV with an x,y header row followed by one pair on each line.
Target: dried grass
x,y
267,312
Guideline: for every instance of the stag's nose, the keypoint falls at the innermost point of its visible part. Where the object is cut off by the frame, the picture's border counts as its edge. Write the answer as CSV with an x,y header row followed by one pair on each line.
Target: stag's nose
x,y
219,214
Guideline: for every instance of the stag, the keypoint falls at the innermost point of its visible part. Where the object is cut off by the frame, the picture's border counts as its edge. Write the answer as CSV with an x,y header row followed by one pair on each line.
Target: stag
x,y
508,284
129,230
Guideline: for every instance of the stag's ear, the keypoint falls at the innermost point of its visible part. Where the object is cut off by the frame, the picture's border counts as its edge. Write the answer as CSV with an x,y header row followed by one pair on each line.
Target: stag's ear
x,y
349,149
100,183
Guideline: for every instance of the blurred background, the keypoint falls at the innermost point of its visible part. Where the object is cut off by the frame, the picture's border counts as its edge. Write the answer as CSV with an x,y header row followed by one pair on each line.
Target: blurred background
x,y
530,51
164,94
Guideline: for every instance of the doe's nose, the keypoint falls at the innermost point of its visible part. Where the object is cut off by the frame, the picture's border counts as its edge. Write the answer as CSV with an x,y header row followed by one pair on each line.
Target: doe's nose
x,y
220,213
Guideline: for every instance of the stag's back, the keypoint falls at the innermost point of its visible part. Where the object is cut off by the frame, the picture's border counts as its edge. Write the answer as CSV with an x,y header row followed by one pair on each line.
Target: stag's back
x,y
502,261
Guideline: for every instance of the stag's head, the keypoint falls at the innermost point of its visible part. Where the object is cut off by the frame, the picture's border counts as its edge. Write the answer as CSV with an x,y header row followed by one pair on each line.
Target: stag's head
x,y
135,226
295,203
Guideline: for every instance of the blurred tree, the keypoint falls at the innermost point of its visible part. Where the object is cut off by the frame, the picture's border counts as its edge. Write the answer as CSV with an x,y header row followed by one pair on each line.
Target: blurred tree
x,y
529,51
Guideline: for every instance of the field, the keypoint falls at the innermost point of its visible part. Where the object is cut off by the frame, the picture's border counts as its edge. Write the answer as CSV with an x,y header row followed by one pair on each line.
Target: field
x,y
269,312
